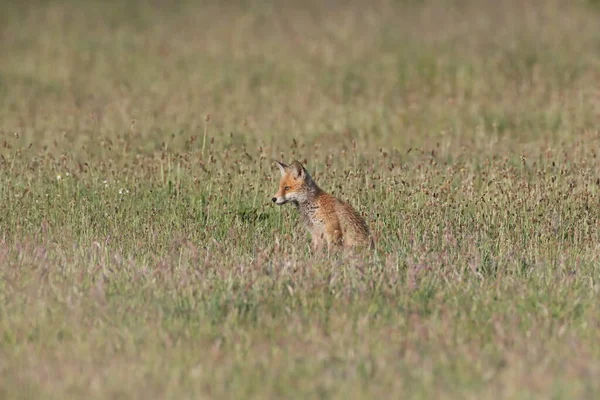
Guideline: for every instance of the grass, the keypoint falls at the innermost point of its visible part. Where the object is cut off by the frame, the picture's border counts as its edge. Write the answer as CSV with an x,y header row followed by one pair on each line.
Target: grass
x,y
140,256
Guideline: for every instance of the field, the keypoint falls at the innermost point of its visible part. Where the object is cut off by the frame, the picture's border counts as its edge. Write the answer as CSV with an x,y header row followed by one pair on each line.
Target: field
x,y
141,256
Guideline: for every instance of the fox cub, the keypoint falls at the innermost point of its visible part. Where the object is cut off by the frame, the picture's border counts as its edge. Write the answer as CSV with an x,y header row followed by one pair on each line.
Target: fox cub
x,y
329,220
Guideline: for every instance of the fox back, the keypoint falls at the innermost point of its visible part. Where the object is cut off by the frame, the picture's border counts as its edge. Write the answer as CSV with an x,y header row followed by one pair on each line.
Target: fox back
x,y
329,220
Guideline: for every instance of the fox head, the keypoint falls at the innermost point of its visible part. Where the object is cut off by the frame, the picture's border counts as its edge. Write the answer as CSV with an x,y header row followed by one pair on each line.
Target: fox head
x,y
294,185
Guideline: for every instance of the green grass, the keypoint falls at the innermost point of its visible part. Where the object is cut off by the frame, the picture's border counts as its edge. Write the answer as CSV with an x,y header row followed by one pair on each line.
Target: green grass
x,y
141,257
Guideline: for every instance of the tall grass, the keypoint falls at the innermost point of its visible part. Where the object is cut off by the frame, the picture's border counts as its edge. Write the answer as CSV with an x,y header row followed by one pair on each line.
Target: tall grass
x,y
140,256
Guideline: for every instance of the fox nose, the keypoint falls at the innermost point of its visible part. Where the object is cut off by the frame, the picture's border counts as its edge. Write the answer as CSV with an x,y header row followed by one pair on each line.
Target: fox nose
x,y
274,199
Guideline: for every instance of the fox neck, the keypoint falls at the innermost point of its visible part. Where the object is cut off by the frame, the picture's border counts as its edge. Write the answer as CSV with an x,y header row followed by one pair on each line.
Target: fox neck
x,y
311,192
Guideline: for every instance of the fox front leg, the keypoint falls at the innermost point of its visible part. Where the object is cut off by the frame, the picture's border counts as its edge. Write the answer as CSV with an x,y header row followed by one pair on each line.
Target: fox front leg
x,y
334,240
333,234
317,242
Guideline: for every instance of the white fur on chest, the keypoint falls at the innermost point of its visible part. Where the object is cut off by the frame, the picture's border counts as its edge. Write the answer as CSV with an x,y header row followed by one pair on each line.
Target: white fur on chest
x,y
310,219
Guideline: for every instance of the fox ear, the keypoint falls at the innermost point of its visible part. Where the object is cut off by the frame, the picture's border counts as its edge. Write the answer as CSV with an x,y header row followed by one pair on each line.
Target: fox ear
x,y
282,167
297,169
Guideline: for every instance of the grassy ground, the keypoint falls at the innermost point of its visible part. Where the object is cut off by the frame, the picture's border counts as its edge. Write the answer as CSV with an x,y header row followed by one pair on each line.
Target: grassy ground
x,y
140,256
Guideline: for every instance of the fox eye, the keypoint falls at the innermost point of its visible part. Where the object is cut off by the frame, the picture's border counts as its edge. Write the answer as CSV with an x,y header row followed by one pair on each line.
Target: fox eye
x,y
286,188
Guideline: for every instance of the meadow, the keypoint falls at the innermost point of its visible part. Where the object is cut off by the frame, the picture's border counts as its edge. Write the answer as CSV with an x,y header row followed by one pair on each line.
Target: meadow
x,y
141,256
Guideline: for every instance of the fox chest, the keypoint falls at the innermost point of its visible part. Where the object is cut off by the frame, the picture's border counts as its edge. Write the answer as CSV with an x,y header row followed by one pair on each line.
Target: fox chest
x,y
311,217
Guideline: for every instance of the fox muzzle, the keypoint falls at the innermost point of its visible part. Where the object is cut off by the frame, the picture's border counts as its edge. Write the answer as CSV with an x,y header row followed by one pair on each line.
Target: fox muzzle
x,y
279,200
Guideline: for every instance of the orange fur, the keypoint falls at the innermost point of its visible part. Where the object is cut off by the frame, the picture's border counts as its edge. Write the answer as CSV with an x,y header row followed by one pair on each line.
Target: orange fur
x,y
329,220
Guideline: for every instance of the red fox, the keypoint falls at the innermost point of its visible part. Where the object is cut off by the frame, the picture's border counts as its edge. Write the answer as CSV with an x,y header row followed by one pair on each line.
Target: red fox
x,y
328,219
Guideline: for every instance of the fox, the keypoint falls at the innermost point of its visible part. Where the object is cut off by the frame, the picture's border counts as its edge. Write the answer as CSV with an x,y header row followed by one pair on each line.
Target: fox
x,y
329,220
